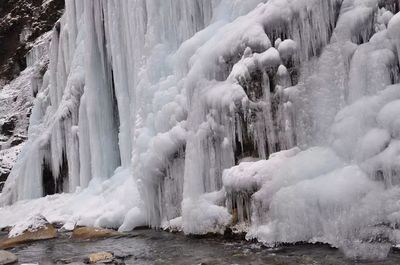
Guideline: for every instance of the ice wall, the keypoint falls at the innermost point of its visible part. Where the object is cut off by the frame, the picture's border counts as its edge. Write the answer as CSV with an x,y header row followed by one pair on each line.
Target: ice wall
x,y
99,100
185,97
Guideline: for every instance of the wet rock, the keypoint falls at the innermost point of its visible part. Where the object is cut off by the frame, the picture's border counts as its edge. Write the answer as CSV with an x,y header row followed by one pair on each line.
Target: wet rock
x,y
47,232
34,229
7,258
231,234
91,233
105,257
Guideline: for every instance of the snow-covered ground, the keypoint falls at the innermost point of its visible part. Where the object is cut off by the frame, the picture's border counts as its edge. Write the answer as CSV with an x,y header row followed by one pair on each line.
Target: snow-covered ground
x,y
112,204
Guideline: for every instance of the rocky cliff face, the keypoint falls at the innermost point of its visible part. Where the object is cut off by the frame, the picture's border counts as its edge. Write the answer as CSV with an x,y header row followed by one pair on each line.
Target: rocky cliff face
x,y
21,25
21,22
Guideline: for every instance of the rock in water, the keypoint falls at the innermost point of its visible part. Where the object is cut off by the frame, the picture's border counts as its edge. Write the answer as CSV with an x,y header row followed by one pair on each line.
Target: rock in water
x,y
7,258
90,233
101,257
33,229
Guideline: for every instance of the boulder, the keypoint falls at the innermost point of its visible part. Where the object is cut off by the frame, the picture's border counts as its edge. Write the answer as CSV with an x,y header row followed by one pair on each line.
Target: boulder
x,y
91,233
7,258
33,229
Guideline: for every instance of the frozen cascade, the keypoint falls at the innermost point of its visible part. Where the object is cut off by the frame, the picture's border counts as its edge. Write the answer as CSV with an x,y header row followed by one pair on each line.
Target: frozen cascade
x,y
278,118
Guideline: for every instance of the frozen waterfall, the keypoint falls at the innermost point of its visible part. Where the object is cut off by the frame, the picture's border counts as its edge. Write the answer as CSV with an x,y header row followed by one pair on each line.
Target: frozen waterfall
x,y
276,118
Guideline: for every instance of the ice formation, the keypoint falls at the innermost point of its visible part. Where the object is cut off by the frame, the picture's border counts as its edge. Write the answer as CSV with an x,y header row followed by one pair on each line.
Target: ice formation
x,y
280,116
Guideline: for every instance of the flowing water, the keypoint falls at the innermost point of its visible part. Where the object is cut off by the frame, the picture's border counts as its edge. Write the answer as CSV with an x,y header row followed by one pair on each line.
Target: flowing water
x,y
158,247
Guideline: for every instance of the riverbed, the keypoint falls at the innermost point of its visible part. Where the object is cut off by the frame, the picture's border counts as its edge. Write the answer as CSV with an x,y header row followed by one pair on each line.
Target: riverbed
x,y
159,247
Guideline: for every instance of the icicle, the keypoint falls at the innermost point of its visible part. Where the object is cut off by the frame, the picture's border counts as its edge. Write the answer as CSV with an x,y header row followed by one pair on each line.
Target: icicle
x,y
99,96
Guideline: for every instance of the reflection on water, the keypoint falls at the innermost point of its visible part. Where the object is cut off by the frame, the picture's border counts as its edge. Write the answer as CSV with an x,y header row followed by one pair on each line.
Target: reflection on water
x,y
157,247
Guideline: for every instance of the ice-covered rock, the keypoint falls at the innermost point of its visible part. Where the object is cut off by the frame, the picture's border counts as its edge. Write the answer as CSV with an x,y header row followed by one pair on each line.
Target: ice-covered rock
x,y
32,224
27,230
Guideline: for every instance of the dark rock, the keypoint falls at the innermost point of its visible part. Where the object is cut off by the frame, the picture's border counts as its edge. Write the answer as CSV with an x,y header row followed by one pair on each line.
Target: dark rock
x,y
4,174
2,185
17,141
229,234
8,126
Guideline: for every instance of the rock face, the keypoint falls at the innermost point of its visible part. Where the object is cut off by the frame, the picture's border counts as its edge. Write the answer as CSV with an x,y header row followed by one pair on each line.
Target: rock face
x,y
7,258
21,22
16,102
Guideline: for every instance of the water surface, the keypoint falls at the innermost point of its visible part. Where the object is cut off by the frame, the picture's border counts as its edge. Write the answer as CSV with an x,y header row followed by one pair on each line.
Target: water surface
x,y
158,247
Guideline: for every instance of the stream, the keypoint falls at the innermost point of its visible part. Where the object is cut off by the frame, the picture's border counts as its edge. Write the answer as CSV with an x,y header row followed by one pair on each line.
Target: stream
x,y
159,247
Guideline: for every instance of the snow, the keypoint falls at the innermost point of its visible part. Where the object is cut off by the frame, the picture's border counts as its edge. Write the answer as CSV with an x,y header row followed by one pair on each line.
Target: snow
x,y
174,225
183,114
287,49
31,224
8,158
250,176
268,59
203,217
311,210
133,218
100,205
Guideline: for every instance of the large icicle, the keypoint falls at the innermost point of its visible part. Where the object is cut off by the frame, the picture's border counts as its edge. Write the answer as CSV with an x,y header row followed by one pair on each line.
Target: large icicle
x,y
99,93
